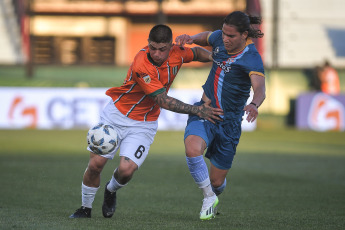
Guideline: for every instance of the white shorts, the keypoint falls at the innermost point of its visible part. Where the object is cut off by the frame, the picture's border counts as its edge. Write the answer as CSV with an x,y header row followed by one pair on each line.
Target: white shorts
x,y
135,137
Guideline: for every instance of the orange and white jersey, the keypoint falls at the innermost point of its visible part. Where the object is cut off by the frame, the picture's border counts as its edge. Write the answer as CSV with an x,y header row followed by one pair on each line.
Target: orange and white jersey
x,y
145,79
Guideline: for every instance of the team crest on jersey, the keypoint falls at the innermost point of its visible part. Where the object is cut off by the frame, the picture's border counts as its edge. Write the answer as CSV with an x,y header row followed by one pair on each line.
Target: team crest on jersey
x,y
216,50
147,79
175,70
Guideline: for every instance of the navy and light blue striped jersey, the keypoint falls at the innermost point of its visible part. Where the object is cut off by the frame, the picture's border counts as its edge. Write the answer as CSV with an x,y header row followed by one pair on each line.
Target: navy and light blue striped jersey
x,y
228,84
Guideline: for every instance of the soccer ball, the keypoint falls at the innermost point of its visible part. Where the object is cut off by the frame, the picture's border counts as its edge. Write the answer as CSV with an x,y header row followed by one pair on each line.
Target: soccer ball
x,y
102,139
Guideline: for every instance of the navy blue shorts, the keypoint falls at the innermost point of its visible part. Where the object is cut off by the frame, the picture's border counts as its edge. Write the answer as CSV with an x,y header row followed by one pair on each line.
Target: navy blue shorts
x,y
221,138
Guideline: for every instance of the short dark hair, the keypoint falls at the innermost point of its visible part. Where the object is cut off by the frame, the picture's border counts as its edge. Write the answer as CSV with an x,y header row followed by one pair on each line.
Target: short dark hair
x,y
243,22
160,34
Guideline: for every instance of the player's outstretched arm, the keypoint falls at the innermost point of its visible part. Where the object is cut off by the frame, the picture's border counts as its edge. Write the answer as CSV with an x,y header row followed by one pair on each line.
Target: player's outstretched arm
x,y
201,54
199,39
204,111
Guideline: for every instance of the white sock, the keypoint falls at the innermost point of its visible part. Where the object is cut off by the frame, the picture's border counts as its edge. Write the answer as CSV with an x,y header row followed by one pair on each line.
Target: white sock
x,y
207,191
87,195
113,185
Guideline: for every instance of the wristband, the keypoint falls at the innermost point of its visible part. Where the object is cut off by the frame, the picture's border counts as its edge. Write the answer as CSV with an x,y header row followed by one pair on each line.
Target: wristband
x,y
252,103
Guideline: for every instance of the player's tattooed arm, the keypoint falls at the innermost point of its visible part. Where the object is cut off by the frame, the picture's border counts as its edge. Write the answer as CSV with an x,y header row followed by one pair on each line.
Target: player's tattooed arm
x,y
204,111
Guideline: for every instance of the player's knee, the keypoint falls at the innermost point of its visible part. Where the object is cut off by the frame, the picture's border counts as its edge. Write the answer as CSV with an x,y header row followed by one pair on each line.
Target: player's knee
x,y
190,152
194,146
94,169
193,150
96,164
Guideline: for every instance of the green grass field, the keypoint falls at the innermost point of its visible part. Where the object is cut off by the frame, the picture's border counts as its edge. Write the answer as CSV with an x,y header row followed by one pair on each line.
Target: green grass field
x,y
91,76
63,76
281,179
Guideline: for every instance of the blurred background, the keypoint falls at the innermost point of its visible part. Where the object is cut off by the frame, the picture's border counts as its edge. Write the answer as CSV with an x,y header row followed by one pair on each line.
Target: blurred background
x,y
89,44
57,59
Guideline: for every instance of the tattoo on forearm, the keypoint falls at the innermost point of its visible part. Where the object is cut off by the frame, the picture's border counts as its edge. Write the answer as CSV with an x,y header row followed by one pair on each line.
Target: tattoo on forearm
x,y
178,106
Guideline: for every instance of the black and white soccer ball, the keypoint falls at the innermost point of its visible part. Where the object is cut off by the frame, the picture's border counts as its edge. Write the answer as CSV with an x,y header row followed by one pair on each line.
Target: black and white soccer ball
x,y
102,139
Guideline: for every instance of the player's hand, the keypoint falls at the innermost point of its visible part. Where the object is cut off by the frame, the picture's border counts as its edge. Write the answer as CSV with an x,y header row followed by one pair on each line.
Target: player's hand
x,y
183,39
252,112
209,113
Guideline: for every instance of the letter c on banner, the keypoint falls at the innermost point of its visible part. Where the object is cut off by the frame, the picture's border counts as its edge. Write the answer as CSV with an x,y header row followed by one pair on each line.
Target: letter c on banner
x,y
55,112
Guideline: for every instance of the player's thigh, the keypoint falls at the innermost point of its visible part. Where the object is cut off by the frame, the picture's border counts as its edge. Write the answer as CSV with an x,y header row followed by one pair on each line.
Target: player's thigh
x,y
196,136
223,149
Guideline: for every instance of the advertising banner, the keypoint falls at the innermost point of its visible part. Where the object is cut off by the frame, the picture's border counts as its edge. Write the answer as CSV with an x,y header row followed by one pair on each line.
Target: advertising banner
x,y
320,112
75,108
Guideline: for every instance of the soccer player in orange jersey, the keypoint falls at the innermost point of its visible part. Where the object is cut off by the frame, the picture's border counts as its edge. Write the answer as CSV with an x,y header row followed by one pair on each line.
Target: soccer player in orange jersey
x,y
133,112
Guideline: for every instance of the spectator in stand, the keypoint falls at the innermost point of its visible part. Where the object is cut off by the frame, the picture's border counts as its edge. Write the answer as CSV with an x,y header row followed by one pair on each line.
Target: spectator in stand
x,y
329,79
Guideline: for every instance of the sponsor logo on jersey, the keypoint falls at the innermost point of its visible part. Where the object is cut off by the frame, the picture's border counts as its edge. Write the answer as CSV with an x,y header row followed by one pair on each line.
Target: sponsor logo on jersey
x,y
224,66
147,79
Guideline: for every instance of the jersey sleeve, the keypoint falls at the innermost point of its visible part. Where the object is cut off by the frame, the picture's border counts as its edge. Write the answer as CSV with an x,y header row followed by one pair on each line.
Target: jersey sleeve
x,y
148,81
213,37
255,66
186,53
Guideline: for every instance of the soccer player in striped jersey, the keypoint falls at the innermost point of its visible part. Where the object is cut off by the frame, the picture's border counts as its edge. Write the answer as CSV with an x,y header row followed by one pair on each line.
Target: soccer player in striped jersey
x,y
133,112
237,66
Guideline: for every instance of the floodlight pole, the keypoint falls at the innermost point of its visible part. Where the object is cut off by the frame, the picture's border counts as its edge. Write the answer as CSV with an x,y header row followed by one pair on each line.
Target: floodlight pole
x,y
29,63
275,34
161,17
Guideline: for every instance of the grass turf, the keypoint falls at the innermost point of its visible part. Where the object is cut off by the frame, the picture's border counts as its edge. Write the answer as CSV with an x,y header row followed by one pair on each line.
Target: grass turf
x,y
281,179
63,76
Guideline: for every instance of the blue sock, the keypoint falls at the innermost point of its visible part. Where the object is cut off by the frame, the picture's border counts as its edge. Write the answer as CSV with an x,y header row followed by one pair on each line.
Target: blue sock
x,y
219,189
199,171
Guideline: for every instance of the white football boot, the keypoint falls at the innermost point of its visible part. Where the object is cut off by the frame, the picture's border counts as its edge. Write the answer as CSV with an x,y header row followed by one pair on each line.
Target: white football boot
x,y
209,208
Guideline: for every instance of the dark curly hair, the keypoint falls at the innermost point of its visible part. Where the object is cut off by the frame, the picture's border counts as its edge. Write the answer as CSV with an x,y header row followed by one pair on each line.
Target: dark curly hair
x,y
244,22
